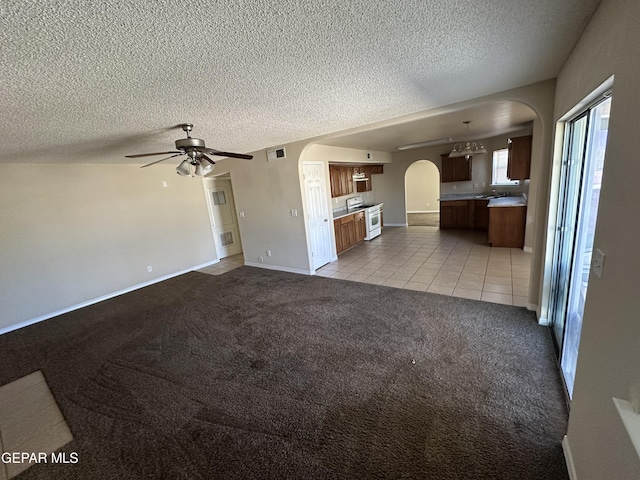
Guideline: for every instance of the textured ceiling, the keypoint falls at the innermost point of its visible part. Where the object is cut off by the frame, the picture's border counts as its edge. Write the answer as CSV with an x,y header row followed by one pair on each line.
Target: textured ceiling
x,y
92,81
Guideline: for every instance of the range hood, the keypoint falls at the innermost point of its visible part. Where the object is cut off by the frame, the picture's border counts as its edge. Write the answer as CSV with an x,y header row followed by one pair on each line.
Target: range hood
x,y
360,177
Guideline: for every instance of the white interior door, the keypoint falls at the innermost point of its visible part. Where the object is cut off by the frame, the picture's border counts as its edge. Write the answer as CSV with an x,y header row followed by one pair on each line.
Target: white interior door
x,y
317,212
224,223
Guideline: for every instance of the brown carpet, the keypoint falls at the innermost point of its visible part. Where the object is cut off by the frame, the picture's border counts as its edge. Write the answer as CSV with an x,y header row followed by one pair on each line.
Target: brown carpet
x,y
423,219
262,374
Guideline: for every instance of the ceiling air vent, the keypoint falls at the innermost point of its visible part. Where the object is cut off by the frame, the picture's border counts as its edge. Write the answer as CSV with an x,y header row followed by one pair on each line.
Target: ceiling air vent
x,y
276,153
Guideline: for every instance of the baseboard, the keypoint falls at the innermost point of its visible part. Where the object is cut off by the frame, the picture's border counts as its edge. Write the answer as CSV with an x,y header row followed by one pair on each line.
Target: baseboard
x,y
77,306
395,225
527,249
532,307
277,267
568,458
423,211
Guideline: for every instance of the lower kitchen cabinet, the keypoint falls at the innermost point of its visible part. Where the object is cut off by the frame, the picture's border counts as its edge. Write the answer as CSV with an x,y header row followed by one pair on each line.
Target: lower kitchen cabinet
x,y
481,215
338,233
349,231
454,214
464,214
506,226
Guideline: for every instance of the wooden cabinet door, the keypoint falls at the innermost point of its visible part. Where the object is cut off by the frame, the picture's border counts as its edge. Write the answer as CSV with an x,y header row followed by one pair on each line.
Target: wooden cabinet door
x,y
334,178
481,215
461,214
506,226
456,169
462,169
447,215
519,162
338,233
447,171
361,227
454,214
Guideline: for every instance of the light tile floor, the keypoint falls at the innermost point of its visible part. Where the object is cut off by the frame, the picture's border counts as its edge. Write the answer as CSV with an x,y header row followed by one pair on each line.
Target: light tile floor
x,y
449,262
225,265
30,421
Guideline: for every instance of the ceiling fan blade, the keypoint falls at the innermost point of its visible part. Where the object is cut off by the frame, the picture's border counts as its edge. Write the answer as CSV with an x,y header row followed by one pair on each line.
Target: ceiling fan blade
x,y
162,160
212,151
208,159
150,154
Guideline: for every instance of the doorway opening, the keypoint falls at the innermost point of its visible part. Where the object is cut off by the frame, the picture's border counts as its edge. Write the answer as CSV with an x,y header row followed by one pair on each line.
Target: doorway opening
x,y
581,172
422,190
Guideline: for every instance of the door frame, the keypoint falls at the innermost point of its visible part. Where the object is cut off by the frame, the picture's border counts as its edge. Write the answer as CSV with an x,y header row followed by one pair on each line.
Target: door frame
x,y
555,214
207,191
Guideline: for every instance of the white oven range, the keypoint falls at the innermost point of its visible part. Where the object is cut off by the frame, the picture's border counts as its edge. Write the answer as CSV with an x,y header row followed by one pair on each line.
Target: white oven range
x,y
372,216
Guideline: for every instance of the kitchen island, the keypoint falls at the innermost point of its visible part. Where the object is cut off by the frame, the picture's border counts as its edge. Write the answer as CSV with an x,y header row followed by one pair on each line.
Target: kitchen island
x,y
507,218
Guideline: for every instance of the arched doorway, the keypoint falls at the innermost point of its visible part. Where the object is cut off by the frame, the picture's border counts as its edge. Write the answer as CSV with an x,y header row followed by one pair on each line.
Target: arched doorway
x,y
422,190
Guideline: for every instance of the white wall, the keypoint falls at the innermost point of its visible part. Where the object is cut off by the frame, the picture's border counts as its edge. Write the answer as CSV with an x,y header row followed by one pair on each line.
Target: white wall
x,y
74,233
422,183
609,356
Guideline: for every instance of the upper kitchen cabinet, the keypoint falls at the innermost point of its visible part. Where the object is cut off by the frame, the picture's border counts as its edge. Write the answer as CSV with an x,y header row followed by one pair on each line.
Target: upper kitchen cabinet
x,y
456,169
341,178
519,163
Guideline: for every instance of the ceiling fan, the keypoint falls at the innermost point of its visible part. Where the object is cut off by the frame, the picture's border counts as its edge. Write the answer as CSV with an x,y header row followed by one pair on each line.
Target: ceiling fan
x,y
197,161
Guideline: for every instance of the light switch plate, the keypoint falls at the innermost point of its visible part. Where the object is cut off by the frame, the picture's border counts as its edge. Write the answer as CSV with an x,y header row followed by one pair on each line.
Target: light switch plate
x,y
597,263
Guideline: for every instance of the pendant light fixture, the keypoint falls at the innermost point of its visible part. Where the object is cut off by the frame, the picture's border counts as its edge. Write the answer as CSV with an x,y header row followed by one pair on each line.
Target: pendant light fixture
x,y
470,148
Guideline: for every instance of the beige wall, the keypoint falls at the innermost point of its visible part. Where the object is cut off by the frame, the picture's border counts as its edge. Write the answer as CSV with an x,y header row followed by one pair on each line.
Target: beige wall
x,y
609,356
422,183
74,233
267,191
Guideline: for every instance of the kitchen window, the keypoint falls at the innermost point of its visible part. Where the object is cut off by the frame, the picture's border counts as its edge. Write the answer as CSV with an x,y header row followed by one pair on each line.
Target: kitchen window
x,y
499,170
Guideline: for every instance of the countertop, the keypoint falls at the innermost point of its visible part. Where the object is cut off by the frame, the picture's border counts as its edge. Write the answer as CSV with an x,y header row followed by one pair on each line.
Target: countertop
x,y
507,202
343,212
494,200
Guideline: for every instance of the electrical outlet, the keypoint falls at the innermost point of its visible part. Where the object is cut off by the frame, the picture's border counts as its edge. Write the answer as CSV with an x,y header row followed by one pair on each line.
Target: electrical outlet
x,y
149,268
164,184
268,253
242,213
294,212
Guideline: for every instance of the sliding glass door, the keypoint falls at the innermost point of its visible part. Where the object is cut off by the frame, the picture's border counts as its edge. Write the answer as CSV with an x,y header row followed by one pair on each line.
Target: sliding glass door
x,y
581,176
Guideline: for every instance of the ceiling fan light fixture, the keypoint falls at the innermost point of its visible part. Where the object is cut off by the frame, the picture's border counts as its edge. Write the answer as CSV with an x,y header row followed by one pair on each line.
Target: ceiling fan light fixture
x,y
196,151
184,169
203,167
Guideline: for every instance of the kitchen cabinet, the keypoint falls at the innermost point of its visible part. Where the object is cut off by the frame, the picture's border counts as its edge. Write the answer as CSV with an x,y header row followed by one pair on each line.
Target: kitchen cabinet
x,y
472,214
519,160
341,178
481,215
338,233
457,169
455,213
349,231
361,226
506,226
